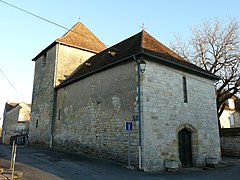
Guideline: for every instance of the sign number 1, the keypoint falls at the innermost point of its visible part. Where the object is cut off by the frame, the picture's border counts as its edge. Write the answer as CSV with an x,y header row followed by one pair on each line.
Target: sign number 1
x,y
128,126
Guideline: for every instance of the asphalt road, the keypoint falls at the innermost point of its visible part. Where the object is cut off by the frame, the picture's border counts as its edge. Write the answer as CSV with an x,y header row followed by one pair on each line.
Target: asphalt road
x,y
49,164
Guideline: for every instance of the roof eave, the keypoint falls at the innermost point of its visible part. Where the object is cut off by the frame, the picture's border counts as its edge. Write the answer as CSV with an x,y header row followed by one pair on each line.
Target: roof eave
x,y
44,50
77,47
66,44
205,74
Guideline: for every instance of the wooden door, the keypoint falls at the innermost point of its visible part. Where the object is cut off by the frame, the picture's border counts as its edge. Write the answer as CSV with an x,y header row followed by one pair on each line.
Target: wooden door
x,y
185,148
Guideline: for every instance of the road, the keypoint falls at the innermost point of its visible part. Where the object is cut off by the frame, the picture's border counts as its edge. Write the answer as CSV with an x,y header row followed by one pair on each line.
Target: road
x,y
39,163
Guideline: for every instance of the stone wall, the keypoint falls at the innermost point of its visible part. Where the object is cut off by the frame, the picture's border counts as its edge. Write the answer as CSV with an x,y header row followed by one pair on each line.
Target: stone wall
x,y
68,60
52,67
230,141
165,114
236,116
42,99
91,114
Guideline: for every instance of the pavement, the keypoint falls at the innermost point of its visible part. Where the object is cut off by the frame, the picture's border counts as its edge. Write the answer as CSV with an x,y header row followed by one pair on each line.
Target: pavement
x,y
28,172
44,164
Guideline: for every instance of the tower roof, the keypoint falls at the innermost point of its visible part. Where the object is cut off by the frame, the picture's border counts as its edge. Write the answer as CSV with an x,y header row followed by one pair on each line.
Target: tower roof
x,y
140,44
79,37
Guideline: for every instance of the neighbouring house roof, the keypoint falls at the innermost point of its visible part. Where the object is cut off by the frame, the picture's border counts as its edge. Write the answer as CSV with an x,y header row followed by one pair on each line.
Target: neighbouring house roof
x,y
9,106
139,44
78,37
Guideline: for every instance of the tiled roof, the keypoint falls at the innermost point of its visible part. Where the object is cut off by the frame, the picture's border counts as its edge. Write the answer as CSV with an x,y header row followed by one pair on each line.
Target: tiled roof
x,y
79,37
9,106
139,44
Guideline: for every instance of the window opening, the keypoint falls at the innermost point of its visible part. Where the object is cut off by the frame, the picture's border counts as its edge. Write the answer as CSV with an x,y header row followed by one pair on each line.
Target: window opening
x,y
184,81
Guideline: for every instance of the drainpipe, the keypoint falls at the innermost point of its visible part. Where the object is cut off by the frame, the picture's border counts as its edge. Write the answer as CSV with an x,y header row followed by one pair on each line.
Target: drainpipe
x,y
141,64
139,119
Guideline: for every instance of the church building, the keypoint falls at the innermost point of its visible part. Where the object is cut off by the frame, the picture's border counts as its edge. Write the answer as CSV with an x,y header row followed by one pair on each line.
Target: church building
x,y
90,98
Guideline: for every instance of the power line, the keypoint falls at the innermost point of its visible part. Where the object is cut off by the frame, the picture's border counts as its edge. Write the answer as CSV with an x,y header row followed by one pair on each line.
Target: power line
x,y
44,19
12,84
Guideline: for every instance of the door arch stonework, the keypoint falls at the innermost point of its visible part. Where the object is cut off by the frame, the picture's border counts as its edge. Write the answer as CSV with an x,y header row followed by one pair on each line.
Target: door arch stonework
x,y
194,142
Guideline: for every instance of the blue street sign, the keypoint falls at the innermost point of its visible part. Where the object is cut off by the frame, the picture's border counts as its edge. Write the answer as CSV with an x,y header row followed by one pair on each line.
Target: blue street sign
x,y
128,126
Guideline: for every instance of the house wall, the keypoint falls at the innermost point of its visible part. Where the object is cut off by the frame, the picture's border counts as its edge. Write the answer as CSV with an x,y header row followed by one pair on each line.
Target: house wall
x,y
24,113
165,114
11,124
45,79
225,118
236,117
91,114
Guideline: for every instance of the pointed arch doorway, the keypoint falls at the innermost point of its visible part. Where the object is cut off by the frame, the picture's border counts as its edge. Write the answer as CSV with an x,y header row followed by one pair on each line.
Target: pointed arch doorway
x,y
185,147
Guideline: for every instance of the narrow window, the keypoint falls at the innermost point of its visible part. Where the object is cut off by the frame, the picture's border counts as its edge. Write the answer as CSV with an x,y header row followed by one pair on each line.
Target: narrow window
x,y
59,113
37,123
231,119
44,59
185,98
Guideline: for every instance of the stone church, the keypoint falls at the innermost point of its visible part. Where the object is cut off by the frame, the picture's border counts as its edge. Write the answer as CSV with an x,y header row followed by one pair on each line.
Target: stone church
x,y
86,95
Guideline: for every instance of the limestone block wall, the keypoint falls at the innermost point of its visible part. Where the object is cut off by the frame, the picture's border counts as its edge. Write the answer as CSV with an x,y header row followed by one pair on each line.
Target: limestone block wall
x,y
231,145
68,60
91,114
230,141
165,113
42,99
58,62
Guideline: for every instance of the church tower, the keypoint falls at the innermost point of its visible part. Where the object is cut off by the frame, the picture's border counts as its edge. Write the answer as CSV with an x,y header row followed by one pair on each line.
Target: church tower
x,y
52,65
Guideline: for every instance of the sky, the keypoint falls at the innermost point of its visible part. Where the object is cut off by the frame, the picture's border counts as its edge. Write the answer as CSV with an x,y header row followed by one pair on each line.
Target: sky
x,y
23,36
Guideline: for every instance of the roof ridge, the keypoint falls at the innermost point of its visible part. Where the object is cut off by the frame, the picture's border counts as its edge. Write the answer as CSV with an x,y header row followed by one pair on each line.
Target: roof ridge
x,y
71,29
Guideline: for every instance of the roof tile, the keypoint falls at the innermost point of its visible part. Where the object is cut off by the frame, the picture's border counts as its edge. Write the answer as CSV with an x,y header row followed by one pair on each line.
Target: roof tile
x,y
81,37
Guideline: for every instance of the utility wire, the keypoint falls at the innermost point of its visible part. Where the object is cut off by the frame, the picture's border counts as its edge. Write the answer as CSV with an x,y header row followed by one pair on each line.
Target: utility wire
x,y
44,19
12,84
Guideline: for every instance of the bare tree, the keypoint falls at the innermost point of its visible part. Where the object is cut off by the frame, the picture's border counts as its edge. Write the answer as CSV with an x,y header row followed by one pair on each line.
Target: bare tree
x,y
215,47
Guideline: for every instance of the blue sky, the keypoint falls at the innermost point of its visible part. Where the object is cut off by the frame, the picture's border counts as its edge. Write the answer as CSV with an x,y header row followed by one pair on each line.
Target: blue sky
x,y
23,36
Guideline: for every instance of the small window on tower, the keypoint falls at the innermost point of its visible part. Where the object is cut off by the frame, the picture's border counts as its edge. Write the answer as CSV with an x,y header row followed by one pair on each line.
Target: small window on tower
x,y
44,59
59,114
37,123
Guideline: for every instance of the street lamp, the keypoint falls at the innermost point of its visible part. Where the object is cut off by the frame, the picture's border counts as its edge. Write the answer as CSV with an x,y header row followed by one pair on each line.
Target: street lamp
x,y
141,64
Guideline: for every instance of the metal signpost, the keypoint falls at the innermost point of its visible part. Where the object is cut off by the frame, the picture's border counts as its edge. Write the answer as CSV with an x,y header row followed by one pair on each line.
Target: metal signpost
x,y
128,128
